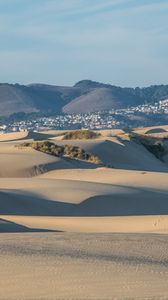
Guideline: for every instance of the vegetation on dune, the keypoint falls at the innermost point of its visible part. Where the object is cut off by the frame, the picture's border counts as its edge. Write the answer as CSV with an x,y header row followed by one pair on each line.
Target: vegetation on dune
x,y
70,151
157,149
81,135
153,145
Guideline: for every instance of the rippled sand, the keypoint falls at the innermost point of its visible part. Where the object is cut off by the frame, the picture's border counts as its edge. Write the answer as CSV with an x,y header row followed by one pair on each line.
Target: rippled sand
x,y
83,266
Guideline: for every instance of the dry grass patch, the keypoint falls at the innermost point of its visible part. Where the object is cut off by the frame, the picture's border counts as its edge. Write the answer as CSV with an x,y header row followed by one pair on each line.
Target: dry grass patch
x,y
152,144
70,151
81,135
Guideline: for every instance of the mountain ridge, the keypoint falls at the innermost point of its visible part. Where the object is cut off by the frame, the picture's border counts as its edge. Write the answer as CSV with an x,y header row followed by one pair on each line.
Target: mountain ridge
x,y
84,97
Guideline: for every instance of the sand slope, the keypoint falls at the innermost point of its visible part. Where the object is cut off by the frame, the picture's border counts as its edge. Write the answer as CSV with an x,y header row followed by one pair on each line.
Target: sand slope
x,y
120,153
13,227
114,152
26,162
119,177
124,224
152,130
21,136
79,198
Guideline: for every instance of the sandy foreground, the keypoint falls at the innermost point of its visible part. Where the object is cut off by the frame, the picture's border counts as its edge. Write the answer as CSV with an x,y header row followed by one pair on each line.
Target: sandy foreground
x,y
84,266
129,224
73,230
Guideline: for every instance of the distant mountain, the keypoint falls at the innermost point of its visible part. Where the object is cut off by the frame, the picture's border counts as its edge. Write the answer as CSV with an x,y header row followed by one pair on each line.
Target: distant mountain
x,y
84,97
34,98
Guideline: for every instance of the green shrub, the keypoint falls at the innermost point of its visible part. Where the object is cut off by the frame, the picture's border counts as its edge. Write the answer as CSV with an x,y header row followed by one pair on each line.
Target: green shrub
x,y
70,151
80,135
157,149
94,159
152,144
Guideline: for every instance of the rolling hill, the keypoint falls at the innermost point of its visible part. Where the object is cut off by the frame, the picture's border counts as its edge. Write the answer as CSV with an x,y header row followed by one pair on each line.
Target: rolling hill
x,y
84,97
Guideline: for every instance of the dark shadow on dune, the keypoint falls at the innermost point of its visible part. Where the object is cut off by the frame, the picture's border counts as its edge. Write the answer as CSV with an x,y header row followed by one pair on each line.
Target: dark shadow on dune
x,y
35,170
63,164
130,201
147,203
81,164
128,155
15,202
11,227
156,130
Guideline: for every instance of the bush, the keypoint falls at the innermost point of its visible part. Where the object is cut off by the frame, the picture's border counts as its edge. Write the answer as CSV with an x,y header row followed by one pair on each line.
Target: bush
x,y
153,145
70,151
157,149
94,159
80,135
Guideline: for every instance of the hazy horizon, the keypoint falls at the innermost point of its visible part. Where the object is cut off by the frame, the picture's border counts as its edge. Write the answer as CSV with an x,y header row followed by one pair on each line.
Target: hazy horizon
x,y
71,85
121,42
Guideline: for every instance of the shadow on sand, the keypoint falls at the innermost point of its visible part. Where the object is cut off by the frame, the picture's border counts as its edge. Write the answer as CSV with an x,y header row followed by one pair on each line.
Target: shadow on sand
x,y
130,201
128,155
156,130
12,227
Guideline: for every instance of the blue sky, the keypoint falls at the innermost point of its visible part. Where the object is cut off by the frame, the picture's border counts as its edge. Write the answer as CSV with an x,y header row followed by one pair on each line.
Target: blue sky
x,y
122,42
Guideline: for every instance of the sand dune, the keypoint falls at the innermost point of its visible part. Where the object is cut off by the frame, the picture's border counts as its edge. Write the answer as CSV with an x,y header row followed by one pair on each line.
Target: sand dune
x,y
80,198
152,129
7,225
113,221
75,188
119,177
120,153
116,152
26,162
21,136
56,190
122,224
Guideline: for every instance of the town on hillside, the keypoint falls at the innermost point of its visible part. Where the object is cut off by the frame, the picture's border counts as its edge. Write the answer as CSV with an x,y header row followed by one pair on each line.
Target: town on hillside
x,y
142,115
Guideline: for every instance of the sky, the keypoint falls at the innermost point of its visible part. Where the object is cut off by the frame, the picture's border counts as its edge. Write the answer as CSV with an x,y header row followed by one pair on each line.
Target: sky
x,y
121,42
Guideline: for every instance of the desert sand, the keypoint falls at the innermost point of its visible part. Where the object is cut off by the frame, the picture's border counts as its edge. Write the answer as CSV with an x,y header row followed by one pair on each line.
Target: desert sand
x,y
74,230
83,266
